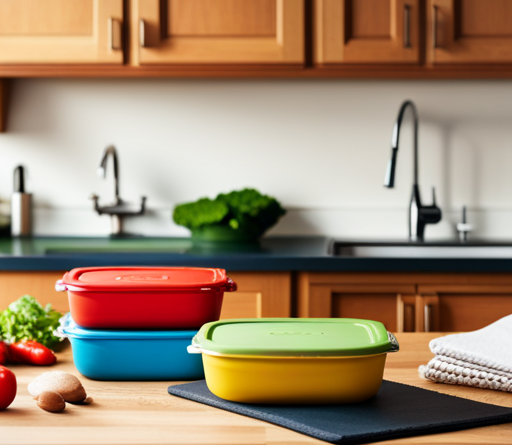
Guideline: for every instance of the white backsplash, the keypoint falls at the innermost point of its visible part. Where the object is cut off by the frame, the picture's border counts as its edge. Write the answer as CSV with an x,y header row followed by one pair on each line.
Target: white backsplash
x,y
320,147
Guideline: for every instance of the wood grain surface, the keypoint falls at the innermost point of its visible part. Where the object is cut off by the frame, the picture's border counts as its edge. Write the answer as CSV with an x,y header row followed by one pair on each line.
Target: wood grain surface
x,y
144,413
33,32
291,71
3,104
218,32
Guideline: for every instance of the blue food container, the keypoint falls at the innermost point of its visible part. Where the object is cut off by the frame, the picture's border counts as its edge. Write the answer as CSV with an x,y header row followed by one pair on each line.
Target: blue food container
x,y
132,355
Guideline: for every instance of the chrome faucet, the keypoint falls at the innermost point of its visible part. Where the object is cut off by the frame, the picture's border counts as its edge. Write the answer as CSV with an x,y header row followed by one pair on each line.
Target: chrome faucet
x,y
419,215
119,209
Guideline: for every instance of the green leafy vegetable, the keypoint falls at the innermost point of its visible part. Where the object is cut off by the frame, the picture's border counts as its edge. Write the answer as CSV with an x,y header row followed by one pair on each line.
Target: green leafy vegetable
x,y
249,208
241,210
200,213
26,319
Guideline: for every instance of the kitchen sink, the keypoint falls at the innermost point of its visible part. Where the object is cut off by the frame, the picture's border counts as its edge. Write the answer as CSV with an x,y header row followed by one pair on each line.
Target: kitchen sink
x,y
442,249
80,246
134,245
56,246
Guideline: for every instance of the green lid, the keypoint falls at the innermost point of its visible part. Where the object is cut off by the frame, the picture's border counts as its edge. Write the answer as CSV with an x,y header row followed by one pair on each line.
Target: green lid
x,y
295,337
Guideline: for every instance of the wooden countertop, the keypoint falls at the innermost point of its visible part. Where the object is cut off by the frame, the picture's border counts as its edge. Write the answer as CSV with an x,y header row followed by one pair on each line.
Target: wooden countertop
x,y
144,413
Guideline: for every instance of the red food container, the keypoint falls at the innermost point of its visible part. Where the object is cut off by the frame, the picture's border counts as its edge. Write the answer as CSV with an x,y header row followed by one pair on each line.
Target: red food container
x,y
145,297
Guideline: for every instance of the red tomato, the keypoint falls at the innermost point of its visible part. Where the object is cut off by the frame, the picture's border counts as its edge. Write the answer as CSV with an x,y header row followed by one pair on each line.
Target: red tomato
x,y
4,353
32,353
8,387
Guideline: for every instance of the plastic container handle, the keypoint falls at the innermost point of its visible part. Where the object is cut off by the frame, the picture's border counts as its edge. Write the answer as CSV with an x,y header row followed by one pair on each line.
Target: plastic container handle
x,y
64,321
60,286
395,347
193,349
231,286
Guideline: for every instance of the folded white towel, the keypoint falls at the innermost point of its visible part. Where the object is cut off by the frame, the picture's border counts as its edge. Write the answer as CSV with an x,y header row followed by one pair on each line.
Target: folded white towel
x,y
480,358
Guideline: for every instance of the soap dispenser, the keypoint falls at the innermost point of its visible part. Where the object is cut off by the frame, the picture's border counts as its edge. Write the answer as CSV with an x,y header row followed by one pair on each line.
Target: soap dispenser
x,y
21,206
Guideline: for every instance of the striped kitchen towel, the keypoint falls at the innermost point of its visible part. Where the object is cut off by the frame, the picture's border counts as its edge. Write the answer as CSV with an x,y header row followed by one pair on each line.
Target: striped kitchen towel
x,y
482,358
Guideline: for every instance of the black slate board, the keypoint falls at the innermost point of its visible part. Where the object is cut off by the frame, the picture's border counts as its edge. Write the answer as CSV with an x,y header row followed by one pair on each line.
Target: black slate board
x,y
396,411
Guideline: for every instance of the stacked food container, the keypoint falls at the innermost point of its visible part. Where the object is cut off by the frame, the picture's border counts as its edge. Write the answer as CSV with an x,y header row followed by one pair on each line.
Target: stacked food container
x,y
133,323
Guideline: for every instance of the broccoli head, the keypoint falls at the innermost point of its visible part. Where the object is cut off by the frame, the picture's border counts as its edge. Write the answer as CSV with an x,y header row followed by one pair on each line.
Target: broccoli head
x,y
242,210
248,207
200,213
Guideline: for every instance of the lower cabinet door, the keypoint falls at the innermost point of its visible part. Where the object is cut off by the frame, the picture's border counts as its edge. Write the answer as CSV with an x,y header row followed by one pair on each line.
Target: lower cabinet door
x,y
259,294
463,308
423,302
345,296
40,285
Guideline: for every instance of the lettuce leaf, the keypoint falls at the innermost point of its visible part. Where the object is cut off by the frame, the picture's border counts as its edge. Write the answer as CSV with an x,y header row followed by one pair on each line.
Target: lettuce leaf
x,y
27,319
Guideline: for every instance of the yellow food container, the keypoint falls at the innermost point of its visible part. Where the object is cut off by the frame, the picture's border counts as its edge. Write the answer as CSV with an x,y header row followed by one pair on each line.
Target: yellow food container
x,y
294,361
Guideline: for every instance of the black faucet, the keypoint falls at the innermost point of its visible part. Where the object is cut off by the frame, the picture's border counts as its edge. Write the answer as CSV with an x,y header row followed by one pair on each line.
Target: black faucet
x,y
102,169
119,209
419,215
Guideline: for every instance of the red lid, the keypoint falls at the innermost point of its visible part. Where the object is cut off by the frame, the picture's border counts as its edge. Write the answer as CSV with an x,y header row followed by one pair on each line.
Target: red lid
x,y
139,278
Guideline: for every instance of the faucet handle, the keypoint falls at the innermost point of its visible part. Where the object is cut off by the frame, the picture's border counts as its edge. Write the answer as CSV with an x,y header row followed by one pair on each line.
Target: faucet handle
x,y
464,227
94,197
431,214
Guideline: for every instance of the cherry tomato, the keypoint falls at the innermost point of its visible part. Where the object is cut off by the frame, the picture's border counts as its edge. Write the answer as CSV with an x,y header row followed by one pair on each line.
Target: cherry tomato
x,y
8,387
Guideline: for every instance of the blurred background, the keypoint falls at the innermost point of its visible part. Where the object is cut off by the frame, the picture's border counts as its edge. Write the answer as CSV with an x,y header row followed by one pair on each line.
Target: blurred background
x,y
320,146
296,98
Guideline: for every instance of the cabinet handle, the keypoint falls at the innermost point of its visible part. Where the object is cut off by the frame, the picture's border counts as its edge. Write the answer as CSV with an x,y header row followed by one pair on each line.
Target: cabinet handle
x,y
434,26
115,32
428,317
407,26
142,33
408,323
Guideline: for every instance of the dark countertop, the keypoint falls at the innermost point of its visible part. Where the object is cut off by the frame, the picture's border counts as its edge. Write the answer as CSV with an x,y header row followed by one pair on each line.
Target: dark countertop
x,y
272,254
64,253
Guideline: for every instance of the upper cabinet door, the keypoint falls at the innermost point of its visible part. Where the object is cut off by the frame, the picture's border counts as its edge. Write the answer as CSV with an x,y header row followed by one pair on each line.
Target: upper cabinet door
x,y
366,31
219,31
469,31
61,31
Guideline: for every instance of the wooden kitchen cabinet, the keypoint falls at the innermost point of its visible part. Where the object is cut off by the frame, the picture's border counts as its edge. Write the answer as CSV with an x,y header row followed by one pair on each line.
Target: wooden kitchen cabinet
x,y
61,31
285,39
463,303
41,285
469,31
404,302
260,294
391,31
408,302
376,297
218,31
367,31
3,104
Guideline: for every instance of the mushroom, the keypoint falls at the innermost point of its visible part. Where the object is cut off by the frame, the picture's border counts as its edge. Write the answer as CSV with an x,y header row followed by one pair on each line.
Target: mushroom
x,y
67,385
51,401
